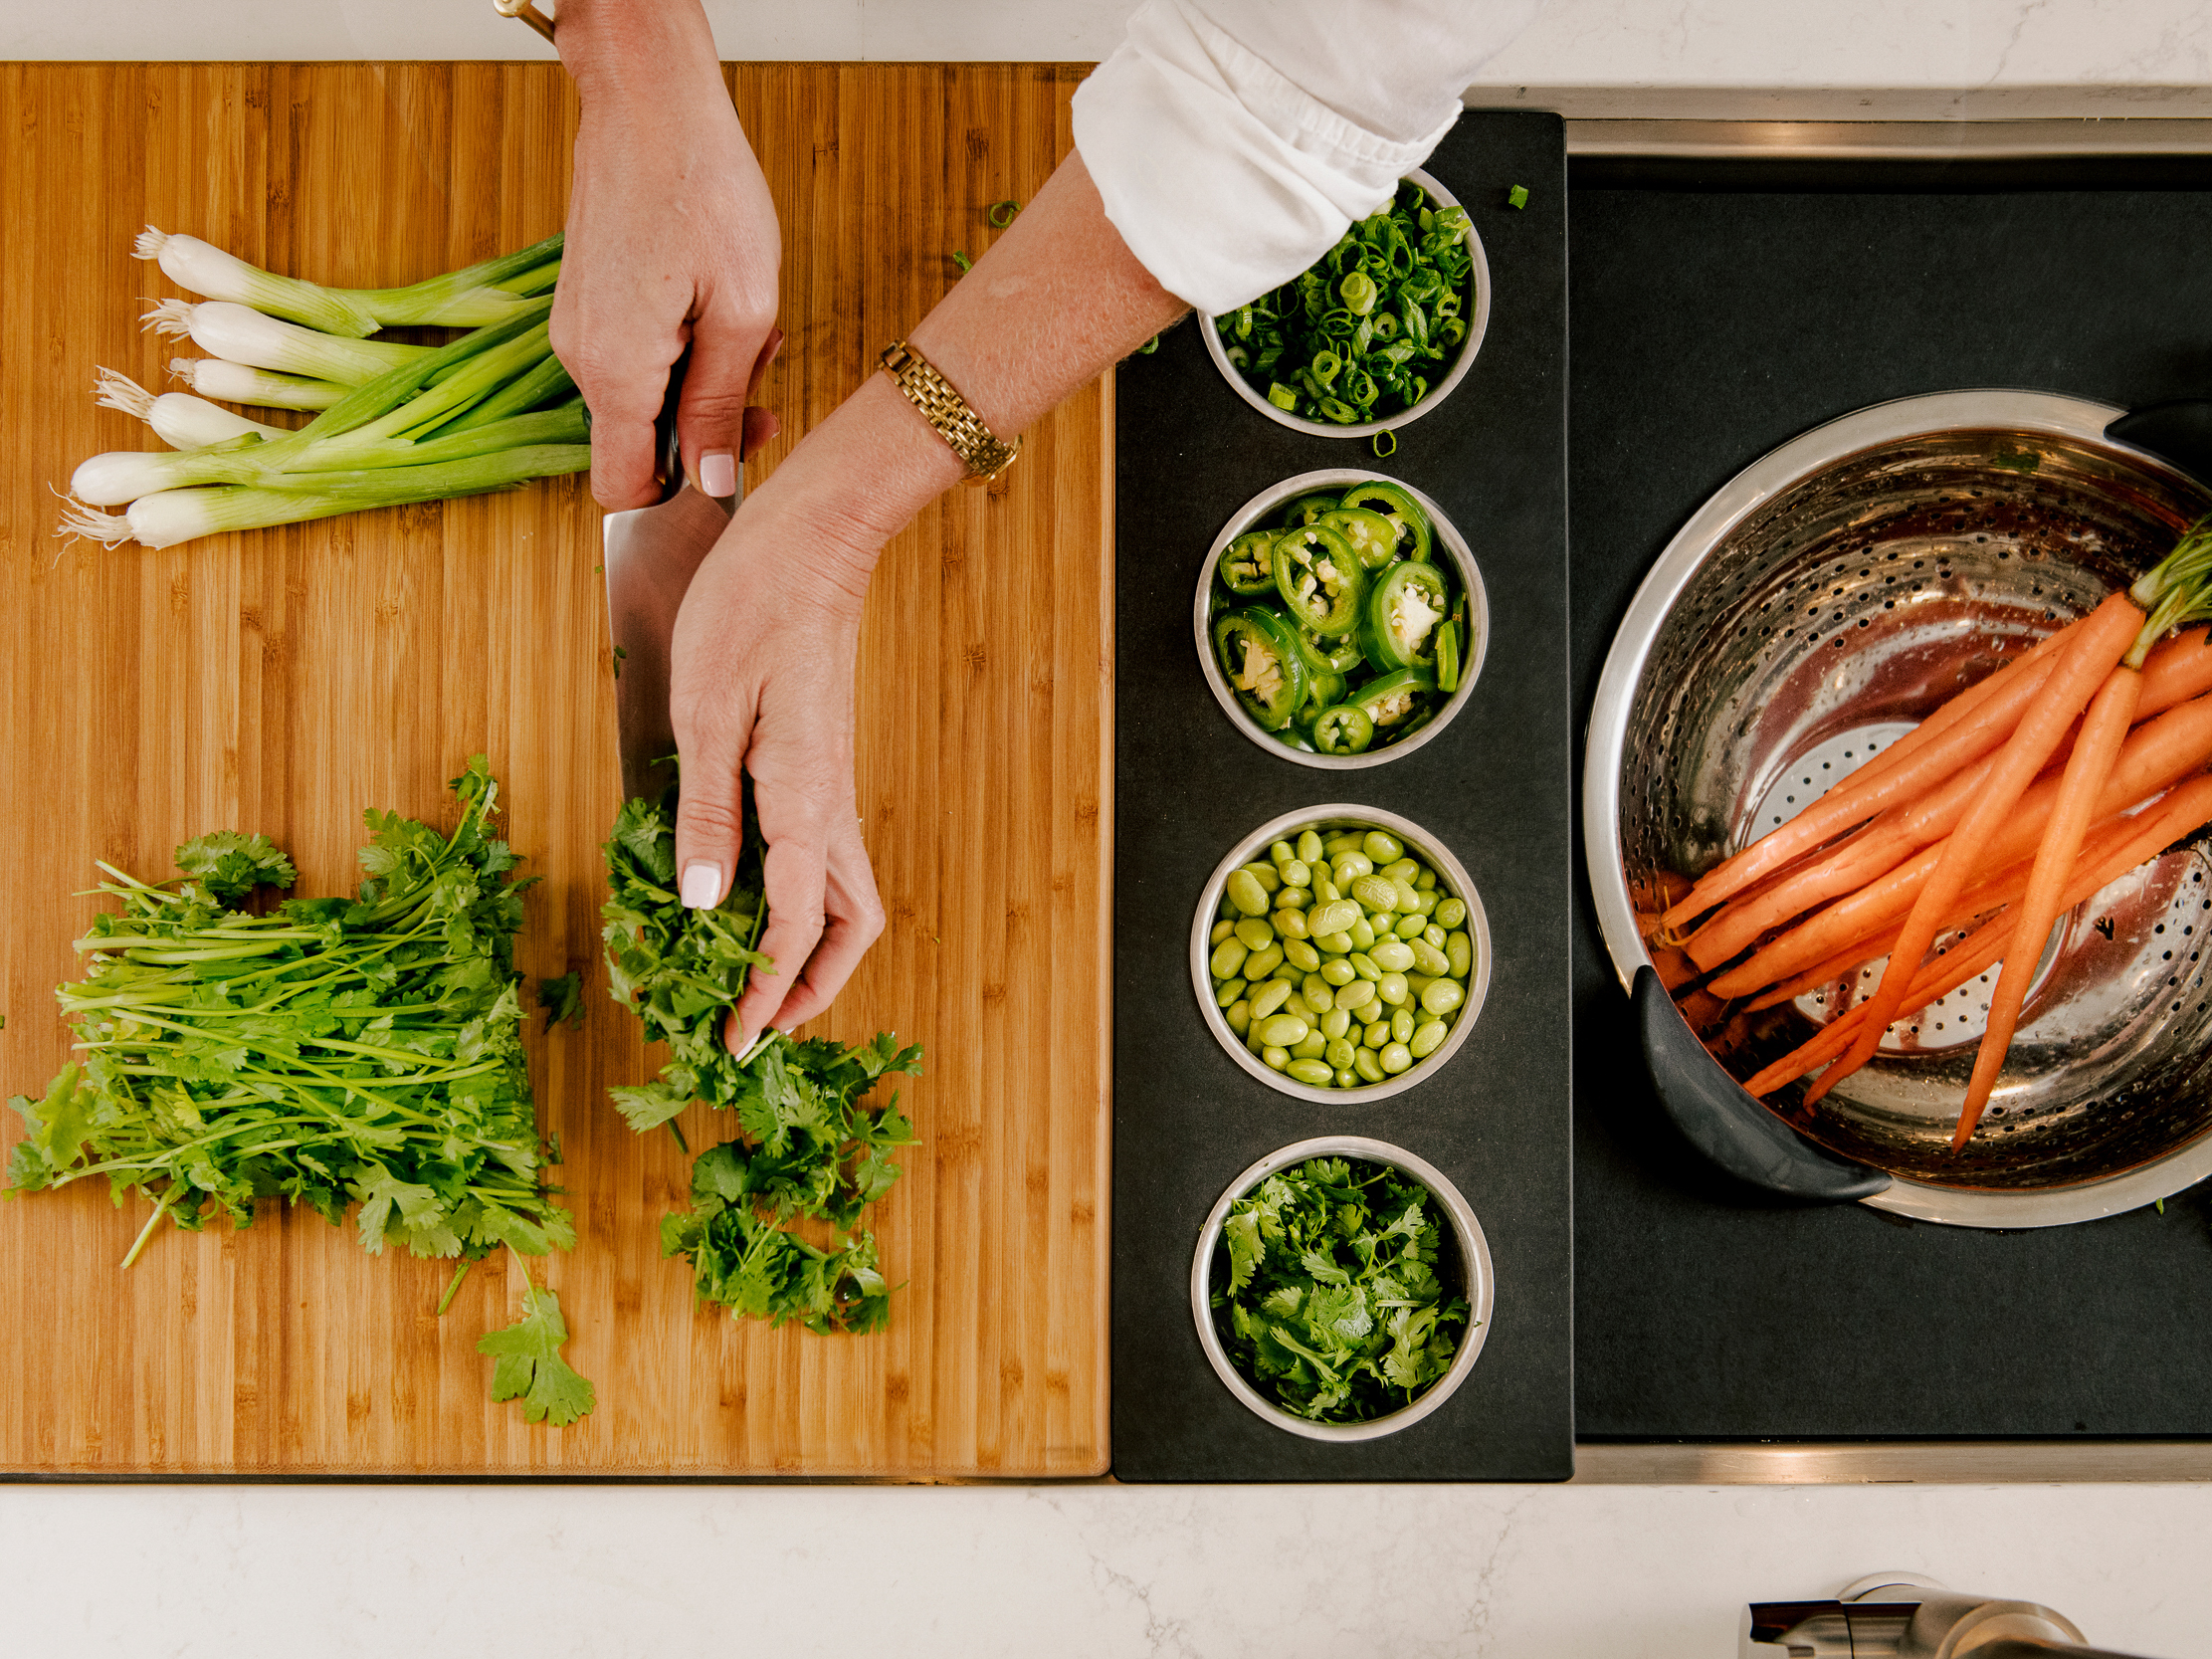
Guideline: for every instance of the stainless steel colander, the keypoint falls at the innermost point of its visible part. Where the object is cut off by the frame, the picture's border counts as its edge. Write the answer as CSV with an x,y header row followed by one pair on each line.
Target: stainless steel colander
x,y
1827,599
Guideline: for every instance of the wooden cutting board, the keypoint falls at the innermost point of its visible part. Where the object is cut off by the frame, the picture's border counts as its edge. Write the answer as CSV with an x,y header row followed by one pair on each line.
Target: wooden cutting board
x,y
284,680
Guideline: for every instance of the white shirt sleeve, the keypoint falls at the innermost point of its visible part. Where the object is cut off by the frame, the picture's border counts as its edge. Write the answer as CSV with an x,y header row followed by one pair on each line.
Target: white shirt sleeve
x,y
1233,142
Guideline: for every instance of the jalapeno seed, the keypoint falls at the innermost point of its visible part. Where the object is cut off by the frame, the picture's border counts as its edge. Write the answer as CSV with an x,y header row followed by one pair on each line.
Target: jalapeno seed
x,y
1314,1072
1382,846
1366,1065
1245,891
1358,994
1229,958
1269,997
1395,1058
1451,912
1443,997
1426,1038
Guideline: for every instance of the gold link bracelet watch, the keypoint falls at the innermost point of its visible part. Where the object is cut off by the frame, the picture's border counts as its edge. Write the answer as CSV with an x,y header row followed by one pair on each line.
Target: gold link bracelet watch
x,y
947,411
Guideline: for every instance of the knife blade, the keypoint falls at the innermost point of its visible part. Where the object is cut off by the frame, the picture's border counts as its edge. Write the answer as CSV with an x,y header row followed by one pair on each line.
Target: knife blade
x,y
651,554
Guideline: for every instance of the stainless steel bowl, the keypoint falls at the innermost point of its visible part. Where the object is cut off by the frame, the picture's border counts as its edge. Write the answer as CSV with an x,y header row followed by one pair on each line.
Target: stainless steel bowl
x,y
1451,878
1478,324
1449,545
1828,598
1480,1285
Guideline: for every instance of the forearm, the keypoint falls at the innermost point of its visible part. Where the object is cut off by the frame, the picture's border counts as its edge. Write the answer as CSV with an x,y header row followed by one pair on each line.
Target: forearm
x,y
636,53
1055,301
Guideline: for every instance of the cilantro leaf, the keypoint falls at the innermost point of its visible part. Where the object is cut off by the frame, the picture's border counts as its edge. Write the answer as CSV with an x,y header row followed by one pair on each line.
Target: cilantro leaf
x,y
530,1368
562,999
230,864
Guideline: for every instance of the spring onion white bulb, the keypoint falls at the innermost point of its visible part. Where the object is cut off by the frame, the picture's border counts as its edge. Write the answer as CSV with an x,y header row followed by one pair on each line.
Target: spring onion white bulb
x,y
178,419
244,335
488,291
243,383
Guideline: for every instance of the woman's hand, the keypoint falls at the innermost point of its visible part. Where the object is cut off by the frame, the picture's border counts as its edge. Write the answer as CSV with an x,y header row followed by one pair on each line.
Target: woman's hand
x,y
671,240
762,680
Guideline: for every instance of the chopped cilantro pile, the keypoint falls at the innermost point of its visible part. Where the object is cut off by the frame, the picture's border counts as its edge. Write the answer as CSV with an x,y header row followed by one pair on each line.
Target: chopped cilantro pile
x,y
809,1151
331,1052
1327,1293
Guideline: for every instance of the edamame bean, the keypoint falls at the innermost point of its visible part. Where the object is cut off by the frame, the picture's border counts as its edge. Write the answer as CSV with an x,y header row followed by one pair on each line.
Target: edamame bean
x,y
1290,923
1282,1030
1239,1016
1269,997
1376,892
1395,1059
1389,955
1333,918
1337,971
1274,1058
1434,935
1427,881
1256,932
1375,1035
1363,934
1287,970
1281,854
1366,1065
1409,927
1340,1053
1364,966
1423,904
1324,891
1221,931
1303,956
1351,866
1458,952
1451,912
1314,1072
1347,1079
1343,841
1317,994
1227,993
1392,987
1228,959
1357,995
1336,945
1308,846
1416,984
1382,846
1426,1038
1292,899
1266,875
1261,963
1298,873
1404,872
1443,997
1334,1025
1429,959
1311,1047
1401,1025
1244,891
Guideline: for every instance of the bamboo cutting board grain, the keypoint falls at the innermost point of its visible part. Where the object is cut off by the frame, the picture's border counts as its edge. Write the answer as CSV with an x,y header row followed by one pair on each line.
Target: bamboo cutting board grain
x,y
284,680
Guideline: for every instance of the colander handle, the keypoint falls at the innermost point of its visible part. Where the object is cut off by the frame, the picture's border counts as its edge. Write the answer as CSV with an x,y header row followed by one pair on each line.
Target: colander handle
x,y
1727,1124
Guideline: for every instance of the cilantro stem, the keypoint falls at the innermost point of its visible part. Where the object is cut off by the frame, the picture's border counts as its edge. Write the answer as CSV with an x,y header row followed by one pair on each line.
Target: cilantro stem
x,y
152,1221
453,1286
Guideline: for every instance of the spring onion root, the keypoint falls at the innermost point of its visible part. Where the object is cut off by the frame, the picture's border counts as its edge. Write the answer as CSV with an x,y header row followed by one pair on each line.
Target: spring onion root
x,y
178,419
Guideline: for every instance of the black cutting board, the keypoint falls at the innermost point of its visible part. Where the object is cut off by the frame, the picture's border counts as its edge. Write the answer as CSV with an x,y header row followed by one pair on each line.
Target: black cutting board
x,y
1717,313
1496,786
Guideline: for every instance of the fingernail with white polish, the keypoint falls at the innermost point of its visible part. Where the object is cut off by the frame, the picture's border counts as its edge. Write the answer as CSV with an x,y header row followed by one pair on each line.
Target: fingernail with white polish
x,y
702,885
718,472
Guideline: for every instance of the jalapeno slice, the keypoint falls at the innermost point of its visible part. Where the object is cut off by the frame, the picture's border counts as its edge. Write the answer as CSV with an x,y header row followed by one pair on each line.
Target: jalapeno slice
x,y
1347,728
1322,691
1333,653
1308,509
1245,568
1448,657
1397,505
1396,702
1322,583
1372,537
1259,657
1404,606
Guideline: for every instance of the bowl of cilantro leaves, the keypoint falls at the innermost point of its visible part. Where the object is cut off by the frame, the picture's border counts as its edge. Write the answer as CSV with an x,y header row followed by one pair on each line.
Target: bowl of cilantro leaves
x,y
1342,1288
1379,330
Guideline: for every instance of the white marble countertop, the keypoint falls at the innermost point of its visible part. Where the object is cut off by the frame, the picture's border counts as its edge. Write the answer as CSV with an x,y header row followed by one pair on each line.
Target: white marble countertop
x,y
1643,1572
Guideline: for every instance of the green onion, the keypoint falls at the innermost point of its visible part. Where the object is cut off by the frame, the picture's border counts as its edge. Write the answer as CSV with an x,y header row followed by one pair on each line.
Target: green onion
x,y
243,383
178,419
245,335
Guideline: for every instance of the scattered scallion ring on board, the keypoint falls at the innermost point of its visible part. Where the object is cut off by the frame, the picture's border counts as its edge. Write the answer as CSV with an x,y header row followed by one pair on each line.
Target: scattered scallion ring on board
x,y
1332,627
1372,326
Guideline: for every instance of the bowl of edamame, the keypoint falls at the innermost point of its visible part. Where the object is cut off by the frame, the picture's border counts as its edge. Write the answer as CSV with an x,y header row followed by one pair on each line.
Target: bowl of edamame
x,y
1341,620
1339,954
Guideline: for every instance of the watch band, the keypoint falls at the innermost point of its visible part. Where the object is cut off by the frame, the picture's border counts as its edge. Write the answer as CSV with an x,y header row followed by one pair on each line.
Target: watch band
x,y
947,410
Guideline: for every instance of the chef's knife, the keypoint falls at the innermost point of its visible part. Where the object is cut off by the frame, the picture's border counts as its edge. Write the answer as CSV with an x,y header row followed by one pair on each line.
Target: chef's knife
x,y
651,554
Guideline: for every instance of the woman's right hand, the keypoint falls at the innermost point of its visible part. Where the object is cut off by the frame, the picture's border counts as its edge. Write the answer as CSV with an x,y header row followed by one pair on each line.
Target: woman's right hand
x,y
672,241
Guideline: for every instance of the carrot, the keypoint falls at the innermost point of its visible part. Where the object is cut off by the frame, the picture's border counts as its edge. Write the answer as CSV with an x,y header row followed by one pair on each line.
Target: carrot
x,y
2076,673
2183,809
1741,921
2156,753
2093,760
2177,669
1960,741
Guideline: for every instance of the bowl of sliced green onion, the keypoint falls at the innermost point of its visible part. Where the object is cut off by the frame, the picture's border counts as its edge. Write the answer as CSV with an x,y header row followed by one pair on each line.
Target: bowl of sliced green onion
x,y
1376,332
1341,619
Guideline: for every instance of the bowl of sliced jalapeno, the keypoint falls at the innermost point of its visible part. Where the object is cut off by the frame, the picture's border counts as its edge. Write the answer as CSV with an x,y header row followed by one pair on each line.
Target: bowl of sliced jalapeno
x,y
1378,330
1339,619
1339,954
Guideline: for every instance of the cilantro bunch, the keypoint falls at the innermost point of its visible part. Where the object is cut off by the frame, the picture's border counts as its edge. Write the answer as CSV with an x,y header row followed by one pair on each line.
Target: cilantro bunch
x,y
1327,1293
329,1052
809,1151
